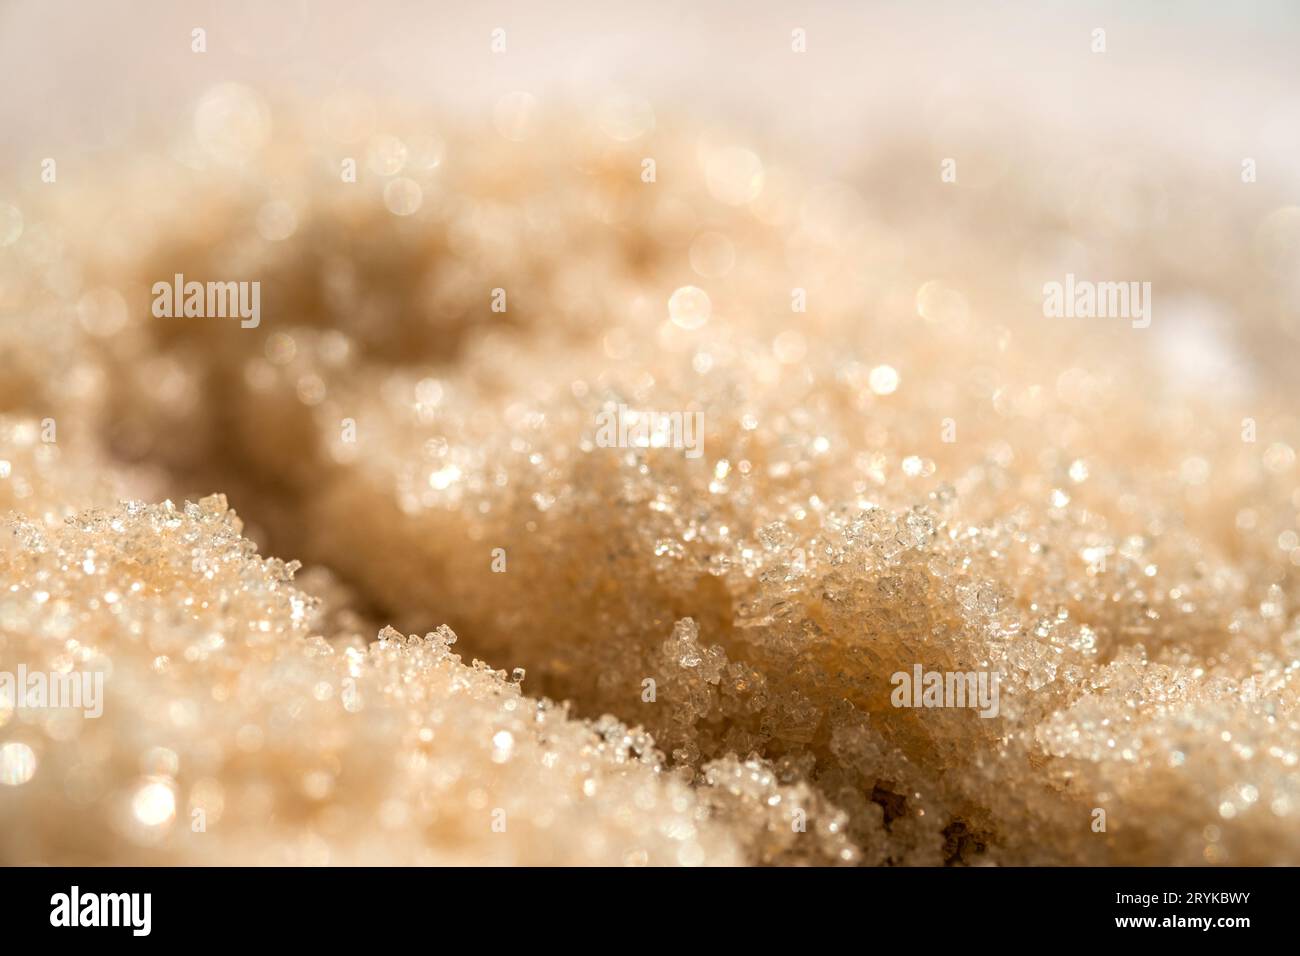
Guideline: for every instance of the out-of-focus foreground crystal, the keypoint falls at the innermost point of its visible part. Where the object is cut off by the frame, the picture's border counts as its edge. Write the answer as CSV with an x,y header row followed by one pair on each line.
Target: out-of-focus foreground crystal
x,y
901,463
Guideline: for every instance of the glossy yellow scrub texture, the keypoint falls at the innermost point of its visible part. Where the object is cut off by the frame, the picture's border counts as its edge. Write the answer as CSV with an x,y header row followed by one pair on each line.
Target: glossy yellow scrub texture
x,y
623,495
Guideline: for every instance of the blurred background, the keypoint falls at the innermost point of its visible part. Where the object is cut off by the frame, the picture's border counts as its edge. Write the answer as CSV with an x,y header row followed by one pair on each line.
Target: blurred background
x,y
1212,80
